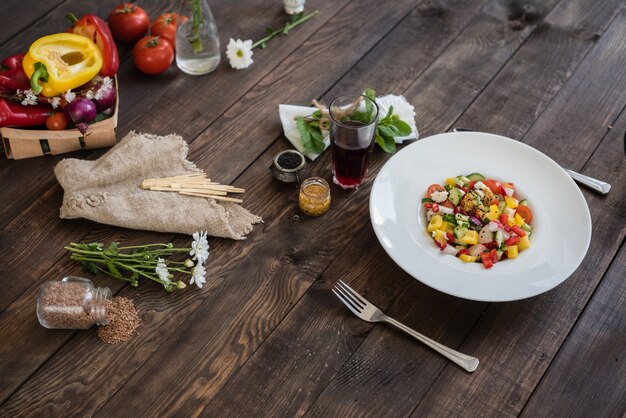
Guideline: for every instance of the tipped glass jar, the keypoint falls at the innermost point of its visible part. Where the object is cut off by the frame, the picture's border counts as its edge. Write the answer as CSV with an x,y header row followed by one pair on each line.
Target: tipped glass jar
x,y
72,303
197,41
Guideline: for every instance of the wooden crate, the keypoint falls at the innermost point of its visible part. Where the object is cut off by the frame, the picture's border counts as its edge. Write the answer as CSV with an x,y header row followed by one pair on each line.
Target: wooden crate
x,y
26,143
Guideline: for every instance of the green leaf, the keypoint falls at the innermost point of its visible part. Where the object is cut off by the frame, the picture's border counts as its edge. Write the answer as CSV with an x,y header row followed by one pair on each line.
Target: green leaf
x,y
386,143
389,114
304,133
403,128
317,139
100,117
111,250
112,269
296,16
371,93
386,131
317,114
359,116
269,30
89,267
369,107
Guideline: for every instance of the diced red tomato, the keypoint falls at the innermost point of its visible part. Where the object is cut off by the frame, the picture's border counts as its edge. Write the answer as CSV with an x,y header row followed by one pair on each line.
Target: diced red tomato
x,y
434,188
493,255
504,219
494,186
525,212
464,189
471,184
519,231
487,262
512,241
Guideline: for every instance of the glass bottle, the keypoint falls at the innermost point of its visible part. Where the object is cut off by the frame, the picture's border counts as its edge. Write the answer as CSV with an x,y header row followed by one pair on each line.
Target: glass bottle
x,y
314,198
197,41
72,303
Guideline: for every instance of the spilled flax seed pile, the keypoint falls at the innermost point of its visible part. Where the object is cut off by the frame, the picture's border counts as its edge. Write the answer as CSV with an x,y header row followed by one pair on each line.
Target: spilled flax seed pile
x,y
123,321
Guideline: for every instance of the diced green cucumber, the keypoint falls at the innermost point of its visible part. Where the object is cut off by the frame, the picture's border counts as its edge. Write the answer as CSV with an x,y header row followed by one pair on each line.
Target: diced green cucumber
x,y
459,232
501,206
524,202
527,227
476,177
462,220
449,218
499,238
427,200
455,196
464,180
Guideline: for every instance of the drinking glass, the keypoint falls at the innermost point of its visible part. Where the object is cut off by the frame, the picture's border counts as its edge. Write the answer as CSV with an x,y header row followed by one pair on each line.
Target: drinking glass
x,y
353,128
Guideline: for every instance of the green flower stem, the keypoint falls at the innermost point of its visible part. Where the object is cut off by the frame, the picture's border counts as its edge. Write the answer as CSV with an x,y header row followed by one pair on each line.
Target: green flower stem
x,y
284,29
122,265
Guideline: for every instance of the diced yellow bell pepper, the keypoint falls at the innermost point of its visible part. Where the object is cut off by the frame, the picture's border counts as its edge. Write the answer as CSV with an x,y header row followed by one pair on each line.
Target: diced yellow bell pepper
x,y
447,227
519,221
467,258
512,251
523,243
510,221
493,213
470,238
435,223
61,62
439,236
451,181
511,202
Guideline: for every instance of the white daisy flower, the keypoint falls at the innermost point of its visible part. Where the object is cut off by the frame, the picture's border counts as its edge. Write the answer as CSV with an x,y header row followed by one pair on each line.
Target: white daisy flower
x,y
161,270
198,276
69,96
90,95
55,102
200,247
30,98
239,53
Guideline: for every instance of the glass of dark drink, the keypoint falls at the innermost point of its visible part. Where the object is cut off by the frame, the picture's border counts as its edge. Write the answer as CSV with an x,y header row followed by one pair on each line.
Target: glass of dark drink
x,y
352,131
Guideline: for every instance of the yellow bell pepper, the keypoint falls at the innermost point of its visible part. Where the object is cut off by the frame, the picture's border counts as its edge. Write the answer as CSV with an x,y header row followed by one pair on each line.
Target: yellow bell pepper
x,y
61,62
519,221
467,258
470,238
493,213
447,227
512,251
435,223
511,202
439,236
523,243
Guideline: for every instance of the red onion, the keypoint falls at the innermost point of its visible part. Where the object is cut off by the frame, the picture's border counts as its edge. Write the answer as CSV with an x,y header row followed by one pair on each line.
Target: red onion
x,y
475,221
107,100
81,111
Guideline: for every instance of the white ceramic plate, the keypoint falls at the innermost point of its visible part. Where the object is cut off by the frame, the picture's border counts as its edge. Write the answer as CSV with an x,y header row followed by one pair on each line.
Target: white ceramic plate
x,y
561,220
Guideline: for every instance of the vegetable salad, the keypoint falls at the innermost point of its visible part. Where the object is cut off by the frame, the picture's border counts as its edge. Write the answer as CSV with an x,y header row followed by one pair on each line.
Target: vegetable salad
x,y
478,219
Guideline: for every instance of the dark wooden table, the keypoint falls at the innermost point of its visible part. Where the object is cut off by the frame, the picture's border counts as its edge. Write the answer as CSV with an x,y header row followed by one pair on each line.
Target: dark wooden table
x,y
266,336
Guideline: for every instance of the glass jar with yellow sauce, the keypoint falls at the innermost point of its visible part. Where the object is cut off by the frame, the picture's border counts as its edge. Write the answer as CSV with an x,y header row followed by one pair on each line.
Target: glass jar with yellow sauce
x,y
314,196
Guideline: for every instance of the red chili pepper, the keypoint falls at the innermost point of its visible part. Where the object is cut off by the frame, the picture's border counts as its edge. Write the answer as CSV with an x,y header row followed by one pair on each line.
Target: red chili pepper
x,y
14,79
450,236
96,29
519,231
14,114
435,207
512,241
486,260
494,255
14,61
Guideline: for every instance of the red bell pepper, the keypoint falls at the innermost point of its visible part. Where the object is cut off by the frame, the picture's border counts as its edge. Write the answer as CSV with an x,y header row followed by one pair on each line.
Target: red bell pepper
x,y
512,241
14,61
14,79
14,114
493,254
96,29
519,231
486,260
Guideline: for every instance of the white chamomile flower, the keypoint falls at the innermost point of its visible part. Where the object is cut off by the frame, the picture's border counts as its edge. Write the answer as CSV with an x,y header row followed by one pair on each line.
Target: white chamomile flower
x,y
200,247
55,102
30,98
90,95
69,96
161,270
198,276
239,53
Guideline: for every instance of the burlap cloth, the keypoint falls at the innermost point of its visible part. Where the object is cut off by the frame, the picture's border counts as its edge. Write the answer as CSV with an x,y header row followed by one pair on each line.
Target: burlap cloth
x,y
107,191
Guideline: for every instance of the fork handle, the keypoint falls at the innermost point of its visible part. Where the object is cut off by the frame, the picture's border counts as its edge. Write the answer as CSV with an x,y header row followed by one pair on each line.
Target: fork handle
x,y
466,362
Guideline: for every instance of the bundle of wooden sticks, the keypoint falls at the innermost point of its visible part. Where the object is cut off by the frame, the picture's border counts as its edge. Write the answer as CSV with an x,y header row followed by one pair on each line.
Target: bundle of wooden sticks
x,y
193,185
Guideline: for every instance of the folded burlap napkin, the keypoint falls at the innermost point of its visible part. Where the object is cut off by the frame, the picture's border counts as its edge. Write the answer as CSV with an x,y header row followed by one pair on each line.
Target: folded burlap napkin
x,y
107,191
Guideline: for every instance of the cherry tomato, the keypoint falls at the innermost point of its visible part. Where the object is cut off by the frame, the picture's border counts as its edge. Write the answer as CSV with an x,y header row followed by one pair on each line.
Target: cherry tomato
x,y
434,188
153,55
494,186
165,26
128,22
57,121
525,212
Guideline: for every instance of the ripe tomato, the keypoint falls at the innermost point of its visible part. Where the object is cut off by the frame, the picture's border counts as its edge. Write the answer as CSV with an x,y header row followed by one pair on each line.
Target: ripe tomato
x,y
128,22
153,55
525,212
434,188
57,121
494,186
165,26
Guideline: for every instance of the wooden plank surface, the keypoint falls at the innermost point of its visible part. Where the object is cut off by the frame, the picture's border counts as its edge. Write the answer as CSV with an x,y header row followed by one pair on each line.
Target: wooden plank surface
x,y
266,337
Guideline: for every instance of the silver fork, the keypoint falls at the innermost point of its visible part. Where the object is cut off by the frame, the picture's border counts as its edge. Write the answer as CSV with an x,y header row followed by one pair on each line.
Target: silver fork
x,y
370,313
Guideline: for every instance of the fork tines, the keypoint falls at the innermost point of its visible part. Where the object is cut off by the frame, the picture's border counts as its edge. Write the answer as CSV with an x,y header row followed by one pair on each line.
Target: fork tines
x,y
349,297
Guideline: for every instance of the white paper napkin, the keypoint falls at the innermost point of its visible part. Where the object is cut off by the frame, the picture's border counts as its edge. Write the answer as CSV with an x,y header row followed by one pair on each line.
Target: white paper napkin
x,y
289,113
